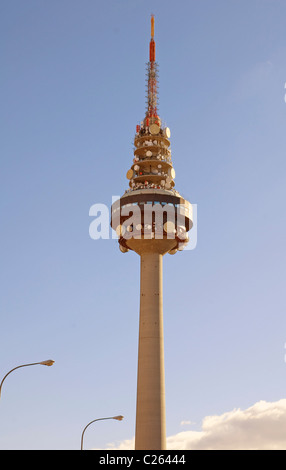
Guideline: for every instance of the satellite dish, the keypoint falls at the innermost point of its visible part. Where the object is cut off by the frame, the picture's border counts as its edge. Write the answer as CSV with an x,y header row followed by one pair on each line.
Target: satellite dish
x,y
120,230
159,166
129,174
167,132
169,226
173,173
123,249
148,153
154,129
136,167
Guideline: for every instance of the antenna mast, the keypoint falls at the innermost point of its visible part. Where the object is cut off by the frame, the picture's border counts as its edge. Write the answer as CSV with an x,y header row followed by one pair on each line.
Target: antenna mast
x,y
152,87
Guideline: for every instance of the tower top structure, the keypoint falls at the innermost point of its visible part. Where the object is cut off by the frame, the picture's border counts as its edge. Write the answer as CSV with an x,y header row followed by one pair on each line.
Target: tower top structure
x,y
151,176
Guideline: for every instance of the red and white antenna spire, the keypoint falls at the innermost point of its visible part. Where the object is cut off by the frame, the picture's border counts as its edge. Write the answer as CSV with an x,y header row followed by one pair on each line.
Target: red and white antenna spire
x,y
152,87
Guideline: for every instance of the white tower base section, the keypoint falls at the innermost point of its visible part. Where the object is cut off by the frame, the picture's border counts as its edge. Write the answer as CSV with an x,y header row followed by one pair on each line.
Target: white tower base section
x,y
150,414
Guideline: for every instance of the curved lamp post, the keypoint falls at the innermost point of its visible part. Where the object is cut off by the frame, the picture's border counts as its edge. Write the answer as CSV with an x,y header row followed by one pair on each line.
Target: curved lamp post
x,y
119,418
49,362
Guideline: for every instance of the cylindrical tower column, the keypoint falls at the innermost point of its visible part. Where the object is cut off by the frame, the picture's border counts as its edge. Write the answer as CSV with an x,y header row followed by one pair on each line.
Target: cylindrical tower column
x,y
150,413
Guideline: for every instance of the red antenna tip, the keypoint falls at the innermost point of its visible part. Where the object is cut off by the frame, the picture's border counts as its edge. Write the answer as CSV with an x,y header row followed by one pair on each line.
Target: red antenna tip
x,y
152,26
152,42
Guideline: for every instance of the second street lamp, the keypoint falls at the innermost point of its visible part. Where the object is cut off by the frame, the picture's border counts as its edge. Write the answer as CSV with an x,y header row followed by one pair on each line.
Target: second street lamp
x,y
118,418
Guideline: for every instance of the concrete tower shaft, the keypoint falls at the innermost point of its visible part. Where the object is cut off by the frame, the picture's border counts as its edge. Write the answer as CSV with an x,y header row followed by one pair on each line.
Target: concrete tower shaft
x,y
150,413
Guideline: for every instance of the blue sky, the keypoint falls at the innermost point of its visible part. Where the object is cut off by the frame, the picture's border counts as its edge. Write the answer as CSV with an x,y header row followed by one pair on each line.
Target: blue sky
x,y
72,91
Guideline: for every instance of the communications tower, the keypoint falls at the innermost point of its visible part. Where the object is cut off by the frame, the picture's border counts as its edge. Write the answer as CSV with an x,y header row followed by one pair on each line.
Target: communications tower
x,y
151,219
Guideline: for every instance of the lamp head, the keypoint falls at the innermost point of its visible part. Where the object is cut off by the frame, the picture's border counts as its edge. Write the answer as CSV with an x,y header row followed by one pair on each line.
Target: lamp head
x,y
49,362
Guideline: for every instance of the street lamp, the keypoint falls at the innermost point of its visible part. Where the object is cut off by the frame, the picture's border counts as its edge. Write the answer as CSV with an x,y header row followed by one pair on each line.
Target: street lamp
x,y
48,363
118,418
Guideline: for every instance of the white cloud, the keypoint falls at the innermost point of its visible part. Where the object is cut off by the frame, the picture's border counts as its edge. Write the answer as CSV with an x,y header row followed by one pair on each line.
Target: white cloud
x,y
259,427
128,444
